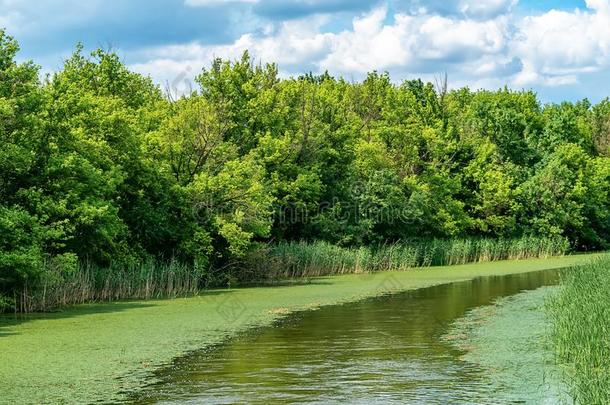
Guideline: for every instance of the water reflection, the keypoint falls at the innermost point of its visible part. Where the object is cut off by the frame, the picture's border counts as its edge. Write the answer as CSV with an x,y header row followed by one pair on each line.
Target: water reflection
x,y
382,350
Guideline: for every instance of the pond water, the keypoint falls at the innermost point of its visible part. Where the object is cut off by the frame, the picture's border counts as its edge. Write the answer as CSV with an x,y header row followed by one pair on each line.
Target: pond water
x,y
383,350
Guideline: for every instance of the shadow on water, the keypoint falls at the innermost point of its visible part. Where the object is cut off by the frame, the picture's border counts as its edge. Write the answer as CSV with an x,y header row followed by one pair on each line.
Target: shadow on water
x,y
381,350
10,320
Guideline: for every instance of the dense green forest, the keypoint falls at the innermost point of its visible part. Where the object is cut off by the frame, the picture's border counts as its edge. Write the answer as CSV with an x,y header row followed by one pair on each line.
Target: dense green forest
x,y
99,168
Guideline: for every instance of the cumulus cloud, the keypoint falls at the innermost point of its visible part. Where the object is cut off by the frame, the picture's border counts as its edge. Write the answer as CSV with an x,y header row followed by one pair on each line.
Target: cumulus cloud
x,y
557,46
420,43
369,45
407,44
476,43
295,45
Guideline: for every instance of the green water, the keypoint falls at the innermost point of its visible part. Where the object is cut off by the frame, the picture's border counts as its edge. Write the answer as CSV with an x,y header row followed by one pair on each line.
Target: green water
x,y
384,350
511,341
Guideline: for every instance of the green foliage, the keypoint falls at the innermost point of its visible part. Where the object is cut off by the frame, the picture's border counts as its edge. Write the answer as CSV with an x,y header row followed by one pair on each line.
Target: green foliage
x,y
97,166
580,316
569,195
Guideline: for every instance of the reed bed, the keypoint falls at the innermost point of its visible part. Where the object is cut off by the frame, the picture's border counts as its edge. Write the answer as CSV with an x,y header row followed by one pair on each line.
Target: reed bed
x,y
302,259
147,280
580,315
153,279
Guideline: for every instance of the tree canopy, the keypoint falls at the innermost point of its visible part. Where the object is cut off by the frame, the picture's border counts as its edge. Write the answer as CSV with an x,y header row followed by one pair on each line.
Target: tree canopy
x,y
97,164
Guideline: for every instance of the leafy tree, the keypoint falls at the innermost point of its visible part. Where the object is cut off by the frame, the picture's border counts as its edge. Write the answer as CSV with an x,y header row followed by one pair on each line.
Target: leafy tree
x,y
569,195
600,127
98,166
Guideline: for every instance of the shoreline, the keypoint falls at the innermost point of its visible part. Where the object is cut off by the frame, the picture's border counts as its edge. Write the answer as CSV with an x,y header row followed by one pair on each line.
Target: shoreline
x,y
96,352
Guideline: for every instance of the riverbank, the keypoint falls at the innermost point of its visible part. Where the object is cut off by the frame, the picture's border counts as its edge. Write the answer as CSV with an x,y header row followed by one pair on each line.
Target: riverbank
x,y
580,318
152,279
99,352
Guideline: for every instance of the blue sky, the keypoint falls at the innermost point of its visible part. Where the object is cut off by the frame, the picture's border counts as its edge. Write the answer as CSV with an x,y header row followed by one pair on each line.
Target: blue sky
x,y
561,49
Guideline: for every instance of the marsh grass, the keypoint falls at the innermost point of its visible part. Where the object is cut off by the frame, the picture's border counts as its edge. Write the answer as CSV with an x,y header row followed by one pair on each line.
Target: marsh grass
x,y
146,280
580,315
302,259
297,260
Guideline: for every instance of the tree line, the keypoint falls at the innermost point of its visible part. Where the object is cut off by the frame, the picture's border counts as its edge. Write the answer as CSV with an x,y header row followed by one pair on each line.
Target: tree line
x,y
100,165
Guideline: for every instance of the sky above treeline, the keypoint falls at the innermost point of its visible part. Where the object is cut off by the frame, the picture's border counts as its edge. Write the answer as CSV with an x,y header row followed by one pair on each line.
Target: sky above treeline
x,y
561,49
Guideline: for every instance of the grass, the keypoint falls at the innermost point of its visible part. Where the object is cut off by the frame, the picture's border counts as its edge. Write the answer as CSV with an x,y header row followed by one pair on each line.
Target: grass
x,y
580,315
301,259
146,280
151,279
99,352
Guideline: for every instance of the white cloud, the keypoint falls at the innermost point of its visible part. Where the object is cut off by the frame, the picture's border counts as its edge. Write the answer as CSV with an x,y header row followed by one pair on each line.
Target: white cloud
x,y
369,45
420,42
554,48
415,43
294,43
443,38
557,46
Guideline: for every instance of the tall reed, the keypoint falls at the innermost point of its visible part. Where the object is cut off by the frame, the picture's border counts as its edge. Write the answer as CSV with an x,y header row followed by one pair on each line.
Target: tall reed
x,y
152,279
302,259
580,316
146,280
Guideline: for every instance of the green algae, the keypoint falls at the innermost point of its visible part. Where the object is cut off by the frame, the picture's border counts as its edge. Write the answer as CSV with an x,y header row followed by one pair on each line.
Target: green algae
x,y
509,341
101,352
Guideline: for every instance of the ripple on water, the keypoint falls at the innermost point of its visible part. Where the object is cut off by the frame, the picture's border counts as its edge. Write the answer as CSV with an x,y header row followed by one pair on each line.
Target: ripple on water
x,y
383,350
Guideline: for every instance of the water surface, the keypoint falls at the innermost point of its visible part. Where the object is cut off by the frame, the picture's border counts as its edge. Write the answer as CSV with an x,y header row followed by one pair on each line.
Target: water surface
x,y
383,350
